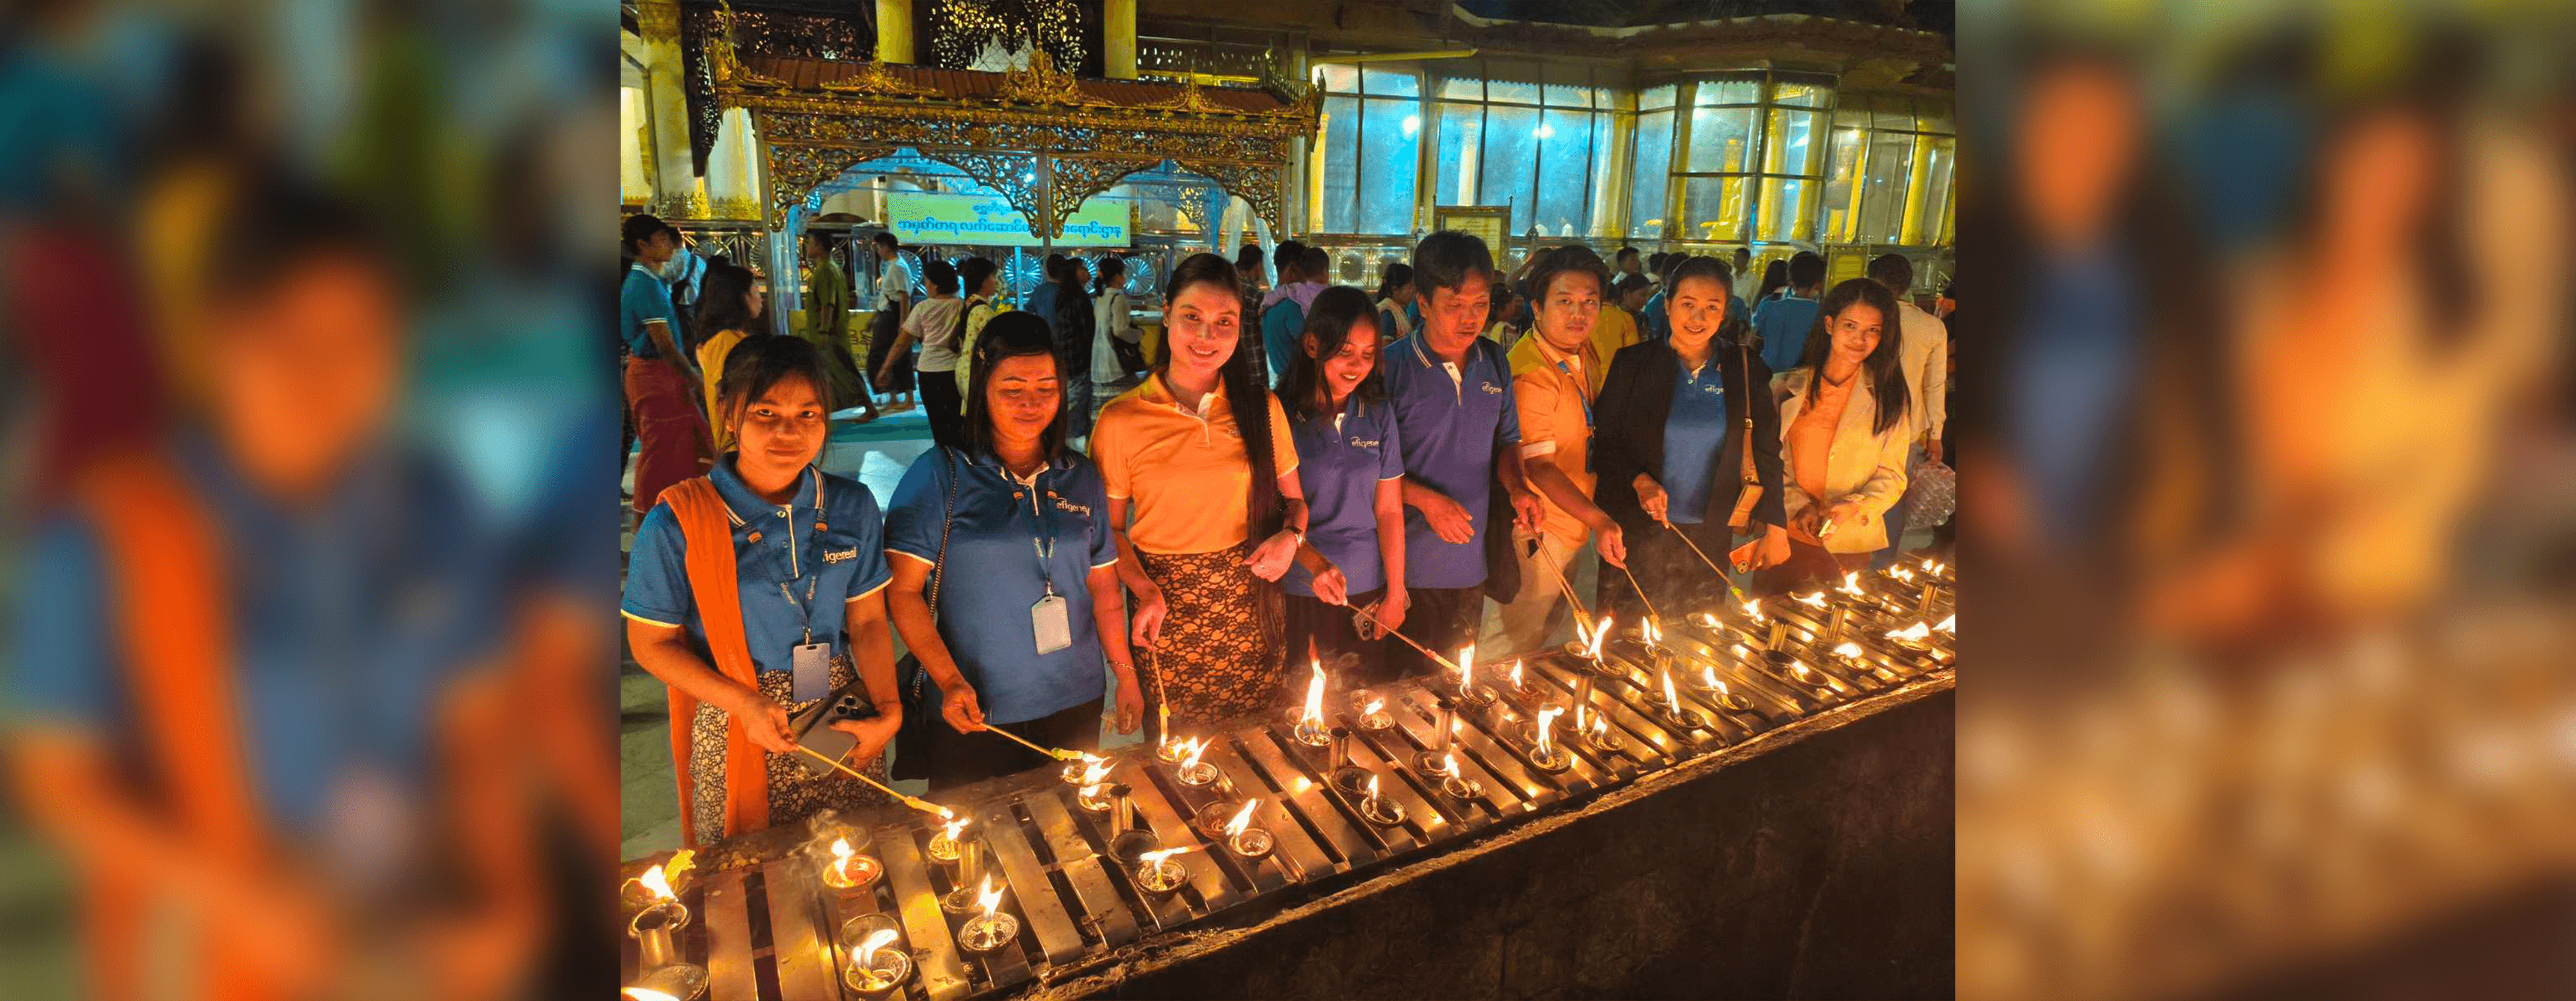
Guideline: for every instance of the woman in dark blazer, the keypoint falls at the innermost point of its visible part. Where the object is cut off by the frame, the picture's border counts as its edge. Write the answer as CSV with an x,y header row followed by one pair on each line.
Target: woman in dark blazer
x,y
1669,448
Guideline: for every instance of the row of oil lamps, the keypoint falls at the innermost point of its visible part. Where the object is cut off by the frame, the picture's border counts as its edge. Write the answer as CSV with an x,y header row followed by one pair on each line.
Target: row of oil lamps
x,y
876,969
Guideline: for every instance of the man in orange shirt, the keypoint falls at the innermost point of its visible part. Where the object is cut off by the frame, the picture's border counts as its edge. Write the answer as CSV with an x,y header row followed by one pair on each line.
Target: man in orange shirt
x,y
1556,373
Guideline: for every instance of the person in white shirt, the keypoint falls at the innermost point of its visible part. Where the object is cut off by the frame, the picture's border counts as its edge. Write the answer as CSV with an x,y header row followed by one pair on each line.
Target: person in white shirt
x,y
1114,333
934,325
1924,352
1747,283
888,373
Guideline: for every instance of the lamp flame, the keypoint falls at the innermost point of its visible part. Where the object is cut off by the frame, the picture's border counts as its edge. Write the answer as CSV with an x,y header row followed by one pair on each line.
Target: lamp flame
x,y
868,949
1096,772
1599,633
1466,667
1799,668
1242,819
841,857
1917,632
1753,609
1158,855
1851,584
654,880
1197,746
988,897
1708,675
1315,697
1448,763
1373,708
1950,625
1671,699
1901,573
1516,674
1372,790
1816,600
949,830
1848,651
1546,723
646,994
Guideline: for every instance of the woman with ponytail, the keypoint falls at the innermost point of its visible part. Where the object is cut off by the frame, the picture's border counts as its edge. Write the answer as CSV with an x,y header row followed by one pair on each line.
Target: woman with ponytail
x,y
1205,505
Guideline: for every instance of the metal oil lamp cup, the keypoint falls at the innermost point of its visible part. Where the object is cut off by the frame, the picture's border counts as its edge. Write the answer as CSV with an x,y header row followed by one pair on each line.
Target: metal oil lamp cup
x,y
1382,811
1432,763
1352,782
1559,759
859,872
1461,787
1097,803
1251,843
1479,696
1376,722
1210,820
1195,774
1073,771
1161,876
883,973
856,930
969,868
942,849
1683,718
986,932
1170,752
652,929
1307,732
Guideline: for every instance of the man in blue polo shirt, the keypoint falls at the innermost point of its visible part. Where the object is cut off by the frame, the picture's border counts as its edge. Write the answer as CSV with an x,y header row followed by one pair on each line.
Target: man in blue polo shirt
x,y
1452,392
1784,322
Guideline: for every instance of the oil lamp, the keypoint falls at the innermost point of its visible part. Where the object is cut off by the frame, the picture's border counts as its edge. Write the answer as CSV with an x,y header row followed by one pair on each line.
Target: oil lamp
x,y
1594,730
1543,750
860,927
1521,685
1796,672
1093,798
849,870
1193,772
1662,699
1378,809
1916,638
1714,689
1469,691
1949,625
1127,843
990,930
1157,874
965,871
1311,729
1245,840
659,883
1166,748
1456,783
1085,771
1344,775
1677,714
1444,721
664,975
1592,647
1650,633
874,970
944,846
1374,718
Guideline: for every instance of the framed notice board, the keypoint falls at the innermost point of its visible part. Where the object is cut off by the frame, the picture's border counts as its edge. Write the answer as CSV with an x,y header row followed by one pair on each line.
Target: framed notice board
x,y
1490,223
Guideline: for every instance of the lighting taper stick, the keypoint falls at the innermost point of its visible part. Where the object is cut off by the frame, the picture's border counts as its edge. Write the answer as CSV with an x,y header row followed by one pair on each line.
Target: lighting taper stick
x,y
1641,593
1408,640
1703,557
916,803
1057,753
1566,586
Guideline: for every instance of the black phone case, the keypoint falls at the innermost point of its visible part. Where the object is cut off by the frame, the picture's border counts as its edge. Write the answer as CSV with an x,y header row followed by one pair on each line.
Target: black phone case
x,y
812,727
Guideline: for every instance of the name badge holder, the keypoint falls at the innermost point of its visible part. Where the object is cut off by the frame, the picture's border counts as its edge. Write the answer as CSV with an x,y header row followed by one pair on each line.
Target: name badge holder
x,y
1051,619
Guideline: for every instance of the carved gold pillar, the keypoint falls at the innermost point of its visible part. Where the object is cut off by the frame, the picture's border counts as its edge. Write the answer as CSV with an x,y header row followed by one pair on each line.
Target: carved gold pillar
x,y
894,31
679,194
1118,38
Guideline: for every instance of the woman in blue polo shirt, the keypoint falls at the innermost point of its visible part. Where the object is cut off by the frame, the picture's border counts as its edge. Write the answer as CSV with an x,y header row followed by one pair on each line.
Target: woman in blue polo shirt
x,y
794,611
1352,469
1015,527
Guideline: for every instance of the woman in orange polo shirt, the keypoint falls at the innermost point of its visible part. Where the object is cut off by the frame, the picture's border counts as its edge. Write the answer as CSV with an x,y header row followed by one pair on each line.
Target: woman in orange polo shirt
x,y
1205,505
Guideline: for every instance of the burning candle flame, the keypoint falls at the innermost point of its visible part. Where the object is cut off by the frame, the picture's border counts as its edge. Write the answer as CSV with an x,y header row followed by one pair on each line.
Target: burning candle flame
x,y
1850,651
1546,723
868,949
1816,600
1916,632
1161,854
1315,697
654,880
1949,625
841,857
988,897
1242,819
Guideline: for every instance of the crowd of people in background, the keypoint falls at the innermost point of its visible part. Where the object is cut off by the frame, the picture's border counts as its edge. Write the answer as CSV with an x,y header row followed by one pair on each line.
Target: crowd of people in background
x,y
1303,468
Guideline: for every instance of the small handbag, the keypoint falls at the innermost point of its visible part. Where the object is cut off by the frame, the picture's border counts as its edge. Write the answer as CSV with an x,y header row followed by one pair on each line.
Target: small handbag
x,y
1749,492
912,683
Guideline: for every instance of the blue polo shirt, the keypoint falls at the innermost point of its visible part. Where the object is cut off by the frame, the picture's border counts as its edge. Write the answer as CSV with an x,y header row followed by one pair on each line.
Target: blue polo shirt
x,y
1281,325
1451,420
1341,458
1783,324
994,576
644,298
1694,436
348,620
780,557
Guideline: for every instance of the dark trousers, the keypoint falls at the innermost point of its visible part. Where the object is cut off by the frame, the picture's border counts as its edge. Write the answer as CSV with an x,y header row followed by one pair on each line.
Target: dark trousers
x,y
939,399
1329,634
1442,618
1677,583
957,759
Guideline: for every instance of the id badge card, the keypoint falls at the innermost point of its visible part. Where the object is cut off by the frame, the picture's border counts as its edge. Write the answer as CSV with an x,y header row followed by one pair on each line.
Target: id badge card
x,y
1052,623
813,662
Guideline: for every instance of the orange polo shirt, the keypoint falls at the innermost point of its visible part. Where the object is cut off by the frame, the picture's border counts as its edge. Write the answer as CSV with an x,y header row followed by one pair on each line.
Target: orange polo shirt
x,y
1615,329
1184,471
1553,391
